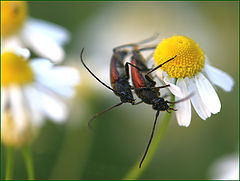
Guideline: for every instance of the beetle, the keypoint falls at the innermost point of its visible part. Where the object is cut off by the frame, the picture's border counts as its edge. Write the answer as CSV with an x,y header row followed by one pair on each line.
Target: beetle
x,y
119,75
119,80
145,89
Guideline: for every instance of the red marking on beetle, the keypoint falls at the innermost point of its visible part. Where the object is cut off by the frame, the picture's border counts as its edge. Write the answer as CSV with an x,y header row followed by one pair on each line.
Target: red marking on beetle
x,y
138,79
114,73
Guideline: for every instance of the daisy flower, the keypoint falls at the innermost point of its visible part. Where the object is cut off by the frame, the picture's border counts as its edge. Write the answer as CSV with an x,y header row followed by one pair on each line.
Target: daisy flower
x,y
30,91
18,30
190,71
225,168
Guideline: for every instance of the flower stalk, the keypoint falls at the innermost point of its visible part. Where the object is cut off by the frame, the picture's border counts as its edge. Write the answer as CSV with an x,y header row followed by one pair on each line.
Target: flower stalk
x,y
27,155
135,172
9,162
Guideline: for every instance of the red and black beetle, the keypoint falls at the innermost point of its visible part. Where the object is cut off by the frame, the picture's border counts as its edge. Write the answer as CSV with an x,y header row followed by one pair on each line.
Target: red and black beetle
x,y
145,89
119,73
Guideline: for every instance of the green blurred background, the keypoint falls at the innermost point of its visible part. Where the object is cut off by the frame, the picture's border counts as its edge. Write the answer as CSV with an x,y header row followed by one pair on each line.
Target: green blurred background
x,y
72,151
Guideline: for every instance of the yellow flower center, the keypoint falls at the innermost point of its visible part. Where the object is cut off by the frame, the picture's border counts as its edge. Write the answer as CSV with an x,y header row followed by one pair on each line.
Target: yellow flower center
x,y
189,60
15,69
13,14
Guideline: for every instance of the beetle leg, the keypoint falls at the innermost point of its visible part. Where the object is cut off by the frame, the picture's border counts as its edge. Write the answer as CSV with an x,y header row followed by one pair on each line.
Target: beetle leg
x,y
133,66
149,58
131,87
181,100
165,95
171,109
150,80
124,46
153,37
127,68
160,87
138,103
148,48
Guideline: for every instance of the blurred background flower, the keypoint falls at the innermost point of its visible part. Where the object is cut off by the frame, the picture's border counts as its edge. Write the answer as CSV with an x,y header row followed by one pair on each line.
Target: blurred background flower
x,y
19,30
72,151
225,168
31,90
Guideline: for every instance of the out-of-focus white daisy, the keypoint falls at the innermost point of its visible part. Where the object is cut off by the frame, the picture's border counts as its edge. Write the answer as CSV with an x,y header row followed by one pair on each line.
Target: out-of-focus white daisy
x,y
188,71
225,168
18,30
31,90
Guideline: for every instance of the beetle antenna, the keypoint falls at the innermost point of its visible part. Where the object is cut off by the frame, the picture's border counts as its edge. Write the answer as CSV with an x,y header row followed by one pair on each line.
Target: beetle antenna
x,y
160,65
98,114
93,73
150,140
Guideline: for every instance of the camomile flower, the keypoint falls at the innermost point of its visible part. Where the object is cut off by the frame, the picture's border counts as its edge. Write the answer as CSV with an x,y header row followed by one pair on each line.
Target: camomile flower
x,y
18,30
31,91
192,73
225,168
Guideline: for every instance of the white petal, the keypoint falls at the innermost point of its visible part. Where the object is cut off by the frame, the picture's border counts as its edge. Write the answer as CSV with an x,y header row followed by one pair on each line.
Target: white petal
x,y
11,43
55,109
60,79
45,46
56,32
44,39
40,65
207,94
4,101
17,108
60,76
24,52
62,90
183,112
173,88
159,73
196,100
32,99
64,75
4,98
219,78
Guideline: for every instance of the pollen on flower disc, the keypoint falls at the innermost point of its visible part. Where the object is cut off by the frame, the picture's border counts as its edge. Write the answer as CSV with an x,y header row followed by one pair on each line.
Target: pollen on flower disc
x,y
189,58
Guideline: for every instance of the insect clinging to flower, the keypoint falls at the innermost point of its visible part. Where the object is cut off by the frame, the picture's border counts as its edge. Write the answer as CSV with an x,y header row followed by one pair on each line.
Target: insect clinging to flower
x,y
190,71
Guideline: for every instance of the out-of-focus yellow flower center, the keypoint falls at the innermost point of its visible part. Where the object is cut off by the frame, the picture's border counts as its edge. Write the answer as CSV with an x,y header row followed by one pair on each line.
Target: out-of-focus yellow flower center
x,y
15,69
13,14
189,60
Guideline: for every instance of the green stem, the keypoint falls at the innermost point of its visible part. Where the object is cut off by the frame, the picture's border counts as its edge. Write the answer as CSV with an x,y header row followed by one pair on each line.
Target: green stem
x,y
9,162
135,171
26,151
